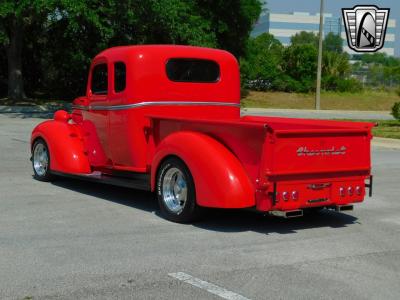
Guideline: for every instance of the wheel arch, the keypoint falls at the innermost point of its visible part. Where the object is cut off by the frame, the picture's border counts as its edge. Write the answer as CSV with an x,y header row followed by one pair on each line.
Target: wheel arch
x,y
37,138
66,149
219,178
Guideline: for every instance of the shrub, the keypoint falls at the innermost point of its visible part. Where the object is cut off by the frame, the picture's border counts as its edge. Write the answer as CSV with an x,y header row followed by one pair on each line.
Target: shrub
x,y
287,84
333,83
351,85
396,111
258,85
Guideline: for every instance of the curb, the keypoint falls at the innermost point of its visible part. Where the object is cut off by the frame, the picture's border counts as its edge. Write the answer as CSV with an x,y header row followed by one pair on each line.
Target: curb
x,y
318,114
322,111
47,108
386,143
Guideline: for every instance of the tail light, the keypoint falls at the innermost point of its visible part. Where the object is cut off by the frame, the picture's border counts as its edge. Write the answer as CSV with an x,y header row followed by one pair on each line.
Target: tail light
x,y
358,190
341,192
295,195
350,190
285,196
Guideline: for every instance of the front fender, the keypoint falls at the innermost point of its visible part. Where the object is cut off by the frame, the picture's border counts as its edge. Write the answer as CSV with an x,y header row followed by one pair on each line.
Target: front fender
x,y
219,177
64,141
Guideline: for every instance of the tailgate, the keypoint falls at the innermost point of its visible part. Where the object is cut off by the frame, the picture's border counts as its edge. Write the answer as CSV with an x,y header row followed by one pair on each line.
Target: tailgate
x,y
317,151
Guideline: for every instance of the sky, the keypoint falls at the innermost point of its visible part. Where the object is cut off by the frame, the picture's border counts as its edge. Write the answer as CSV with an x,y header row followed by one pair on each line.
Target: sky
x,y
334,7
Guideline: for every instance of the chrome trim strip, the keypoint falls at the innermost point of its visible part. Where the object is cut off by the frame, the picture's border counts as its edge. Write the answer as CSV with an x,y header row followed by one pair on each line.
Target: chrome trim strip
x,y
81,107
153,103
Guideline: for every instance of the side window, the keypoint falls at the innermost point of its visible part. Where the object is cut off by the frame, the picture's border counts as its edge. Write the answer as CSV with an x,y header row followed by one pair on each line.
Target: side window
x,y
119,77
100,80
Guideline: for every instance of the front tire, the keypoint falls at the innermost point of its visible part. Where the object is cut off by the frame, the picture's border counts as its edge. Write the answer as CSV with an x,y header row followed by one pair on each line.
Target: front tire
x,y
176,192
41,161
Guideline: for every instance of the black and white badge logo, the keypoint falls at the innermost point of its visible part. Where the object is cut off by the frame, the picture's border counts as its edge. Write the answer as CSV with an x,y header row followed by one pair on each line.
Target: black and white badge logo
x,y
365,27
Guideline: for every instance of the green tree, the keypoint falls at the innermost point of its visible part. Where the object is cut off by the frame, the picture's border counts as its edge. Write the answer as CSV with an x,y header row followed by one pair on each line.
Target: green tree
x,y
179,22
64,35
262,62
333,42
396,110
304,38
379,69
77,30
380,58
231,21
24,25
335,73
335,64
300,63
16,17
3,75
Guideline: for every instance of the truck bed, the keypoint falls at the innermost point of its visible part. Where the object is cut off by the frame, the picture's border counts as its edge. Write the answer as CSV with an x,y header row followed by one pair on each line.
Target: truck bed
x,y
314,159
290,146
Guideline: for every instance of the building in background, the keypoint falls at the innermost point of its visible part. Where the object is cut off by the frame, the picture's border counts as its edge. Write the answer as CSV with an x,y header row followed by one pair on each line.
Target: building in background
x,y
283,26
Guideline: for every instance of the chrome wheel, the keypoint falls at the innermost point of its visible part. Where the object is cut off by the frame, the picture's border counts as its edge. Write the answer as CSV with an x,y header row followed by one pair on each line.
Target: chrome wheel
x,y
174,189
176,192
40,159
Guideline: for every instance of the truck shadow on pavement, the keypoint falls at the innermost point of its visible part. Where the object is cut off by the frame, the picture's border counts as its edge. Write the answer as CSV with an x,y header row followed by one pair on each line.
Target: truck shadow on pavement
x,y
220,220
242,220
125,196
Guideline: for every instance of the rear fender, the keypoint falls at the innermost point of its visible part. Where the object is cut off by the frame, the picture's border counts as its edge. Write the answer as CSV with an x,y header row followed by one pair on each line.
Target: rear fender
x,y
64,140
219,177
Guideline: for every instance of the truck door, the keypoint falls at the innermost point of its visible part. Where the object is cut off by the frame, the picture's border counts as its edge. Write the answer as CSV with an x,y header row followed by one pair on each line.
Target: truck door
x,y
98,96
121,135
125,131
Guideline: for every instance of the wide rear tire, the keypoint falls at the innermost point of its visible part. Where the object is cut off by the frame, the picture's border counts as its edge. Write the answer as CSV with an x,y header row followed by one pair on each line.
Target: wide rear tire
x,y
176,192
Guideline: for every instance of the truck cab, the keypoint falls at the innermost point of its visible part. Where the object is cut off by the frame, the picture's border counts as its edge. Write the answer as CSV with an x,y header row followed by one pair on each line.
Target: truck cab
x,y
167,119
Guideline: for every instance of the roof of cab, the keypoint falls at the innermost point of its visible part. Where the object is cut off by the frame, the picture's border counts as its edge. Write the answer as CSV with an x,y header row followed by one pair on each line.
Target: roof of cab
x,y
148,80
167,51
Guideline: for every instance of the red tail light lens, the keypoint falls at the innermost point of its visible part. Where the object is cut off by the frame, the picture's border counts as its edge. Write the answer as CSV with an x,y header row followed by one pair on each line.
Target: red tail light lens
x,y
342,192
358,190
285,196
295,195
350,190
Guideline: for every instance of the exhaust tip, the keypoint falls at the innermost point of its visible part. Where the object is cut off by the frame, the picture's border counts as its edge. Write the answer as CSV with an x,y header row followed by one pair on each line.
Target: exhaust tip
x,y
344,208
287,214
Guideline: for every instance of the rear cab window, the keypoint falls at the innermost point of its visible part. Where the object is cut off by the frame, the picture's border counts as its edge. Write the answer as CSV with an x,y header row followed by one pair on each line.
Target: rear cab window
x,y
193,70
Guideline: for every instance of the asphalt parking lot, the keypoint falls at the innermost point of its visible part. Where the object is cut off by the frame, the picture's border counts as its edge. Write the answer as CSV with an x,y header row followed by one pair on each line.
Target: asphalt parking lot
x,y
80,240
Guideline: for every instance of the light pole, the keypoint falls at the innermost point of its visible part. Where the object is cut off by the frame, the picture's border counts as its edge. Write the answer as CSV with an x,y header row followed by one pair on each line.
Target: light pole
x,y
321,29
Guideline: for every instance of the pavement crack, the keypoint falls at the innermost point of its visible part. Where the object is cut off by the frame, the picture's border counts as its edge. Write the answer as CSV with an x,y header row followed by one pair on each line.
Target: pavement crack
x,y
19,140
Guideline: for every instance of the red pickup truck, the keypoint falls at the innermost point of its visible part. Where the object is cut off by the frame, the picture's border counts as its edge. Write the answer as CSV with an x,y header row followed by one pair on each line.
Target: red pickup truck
x,y
167,119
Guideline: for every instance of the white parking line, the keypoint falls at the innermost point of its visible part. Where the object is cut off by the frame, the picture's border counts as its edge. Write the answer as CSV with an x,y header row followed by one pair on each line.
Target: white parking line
x,y
209,287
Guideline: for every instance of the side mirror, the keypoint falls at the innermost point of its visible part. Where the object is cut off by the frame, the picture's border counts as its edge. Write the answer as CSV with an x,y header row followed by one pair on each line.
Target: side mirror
x,y
81,101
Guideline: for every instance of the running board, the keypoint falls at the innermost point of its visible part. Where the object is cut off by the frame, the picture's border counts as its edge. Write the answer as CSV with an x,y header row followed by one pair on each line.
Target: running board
x,y
138,181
